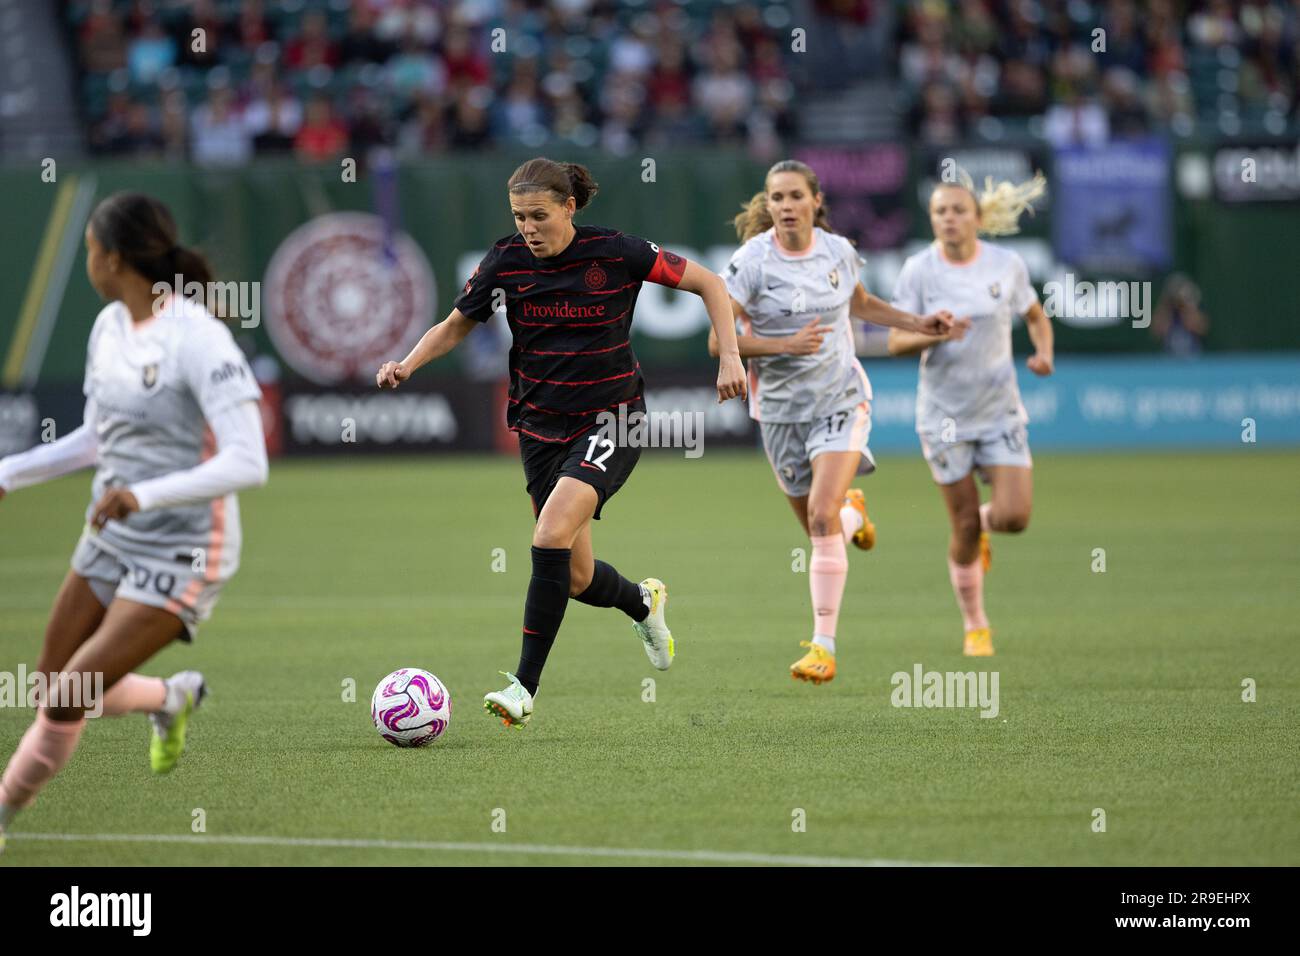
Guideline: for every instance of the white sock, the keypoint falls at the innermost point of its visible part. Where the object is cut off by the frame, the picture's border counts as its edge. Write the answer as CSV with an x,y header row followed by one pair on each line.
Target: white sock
x,y
851,522
984,515
175,699
6,815
821,640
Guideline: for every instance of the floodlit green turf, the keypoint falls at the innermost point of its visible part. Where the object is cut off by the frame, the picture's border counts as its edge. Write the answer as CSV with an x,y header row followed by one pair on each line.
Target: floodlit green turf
x,y
1119,690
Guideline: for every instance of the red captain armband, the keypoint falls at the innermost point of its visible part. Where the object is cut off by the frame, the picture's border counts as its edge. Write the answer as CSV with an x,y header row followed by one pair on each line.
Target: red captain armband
x,y
668,269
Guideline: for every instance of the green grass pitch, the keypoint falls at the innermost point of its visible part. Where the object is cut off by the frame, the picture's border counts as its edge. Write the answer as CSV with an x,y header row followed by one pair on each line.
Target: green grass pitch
x,y
1119,690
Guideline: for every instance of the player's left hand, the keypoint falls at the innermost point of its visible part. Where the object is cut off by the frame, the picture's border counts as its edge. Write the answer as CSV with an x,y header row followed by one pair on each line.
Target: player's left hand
x,y
731,378
940,323
114,505
1040,364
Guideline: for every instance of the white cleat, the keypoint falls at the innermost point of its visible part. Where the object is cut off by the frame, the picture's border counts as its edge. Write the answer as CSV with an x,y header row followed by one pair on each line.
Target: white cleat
x,y
514,705
653,631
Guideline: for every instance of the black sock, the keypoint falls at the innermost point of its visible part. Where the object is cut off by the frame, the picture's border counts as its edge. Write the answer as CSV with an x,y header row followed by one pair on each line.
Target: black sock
x,y
608,588
548,593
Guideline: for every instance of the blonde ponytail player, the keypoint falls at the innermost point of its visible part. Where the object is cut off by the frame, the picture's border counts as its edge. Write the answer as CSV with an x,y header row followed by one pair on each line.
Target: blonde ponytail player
x,y
968,411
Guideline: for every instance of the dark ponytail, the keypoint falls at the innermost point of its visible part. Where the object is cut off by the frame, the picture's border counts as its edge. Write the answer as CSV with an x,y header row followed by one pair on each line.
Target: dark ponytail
x,y
142,231
562,180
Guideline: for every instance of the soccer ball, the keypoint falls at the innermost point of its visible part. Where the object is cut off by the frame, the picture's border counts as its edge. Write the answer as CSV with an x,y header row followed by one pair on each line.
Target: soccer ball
x,y
410,708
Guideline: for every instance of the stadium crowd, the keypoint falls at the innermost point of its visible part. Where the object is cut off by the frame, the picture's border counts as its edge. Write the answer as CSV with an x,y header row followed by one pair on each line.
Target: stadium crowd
x,y
220,81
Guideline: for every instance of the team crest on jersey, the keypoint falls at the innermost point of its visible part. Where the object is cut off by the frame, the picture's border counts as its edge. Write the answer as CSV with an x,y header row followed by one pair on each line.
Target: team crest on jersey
x,y
835,278
594,277
995,290
149,376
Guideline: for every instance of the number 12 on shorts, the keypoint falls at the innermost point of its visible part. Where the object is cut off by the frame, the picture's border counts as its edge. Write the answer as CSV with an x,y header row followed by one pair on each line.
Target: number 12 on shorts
x,y
593,442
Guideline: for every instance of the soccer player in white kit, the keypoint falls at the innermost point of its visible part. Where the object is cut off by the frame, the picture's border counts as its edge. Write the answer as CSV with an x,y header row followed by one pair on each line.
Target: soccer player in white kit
x,y
794,285
968,410
162,530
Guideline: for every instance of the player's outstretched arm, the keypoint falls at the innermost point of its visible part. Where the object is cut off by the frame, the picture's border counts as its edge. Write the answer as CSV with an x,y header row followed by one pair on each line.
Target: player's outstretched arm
x,y
1042,362
804,342
710,287
870,308
76,450
435,343
239,463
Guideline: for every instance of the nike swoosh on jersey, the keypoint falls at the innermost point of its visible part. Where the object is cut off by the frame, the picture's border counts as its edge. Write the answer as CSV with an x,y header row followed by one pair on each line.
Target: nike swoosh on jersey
x,y
525,288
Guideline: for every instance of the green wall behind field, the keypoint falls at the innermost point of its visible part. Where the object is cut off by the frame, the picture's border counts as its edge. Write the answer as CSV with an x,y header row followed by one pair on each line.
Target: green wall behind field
x,y
1245,257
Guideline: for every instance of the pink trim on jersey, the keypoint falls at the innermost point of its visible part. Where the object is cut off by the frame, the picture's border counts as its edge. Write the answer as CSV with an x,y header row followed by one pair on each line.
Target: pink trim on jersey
x,y
748,323
790,253
979,249
212,555
861,423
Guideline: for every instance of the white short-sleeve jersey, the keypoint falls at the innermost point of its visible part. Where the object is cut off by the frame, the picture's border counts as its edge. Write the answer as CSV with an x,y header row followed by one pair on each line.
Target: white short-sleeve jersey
x,y
971,381
782,292
154,385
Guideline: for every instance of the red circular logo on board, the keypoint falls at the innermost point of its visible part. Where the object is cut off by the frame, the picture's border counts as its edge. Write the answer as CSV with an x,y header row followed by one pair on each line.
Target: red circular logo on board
x,y
594,277
342,296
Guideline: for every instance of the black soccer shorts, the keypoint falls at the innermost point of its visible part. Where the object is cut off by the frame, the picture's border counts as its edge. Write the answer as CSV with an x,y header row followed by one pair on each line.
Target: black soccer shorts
x,y
593,457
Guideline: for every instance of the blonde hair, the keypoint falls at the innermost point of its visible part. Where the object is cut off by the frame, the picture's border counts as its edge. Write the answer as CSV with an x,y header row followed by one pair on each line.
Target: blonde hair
x,y
754,217
1001,206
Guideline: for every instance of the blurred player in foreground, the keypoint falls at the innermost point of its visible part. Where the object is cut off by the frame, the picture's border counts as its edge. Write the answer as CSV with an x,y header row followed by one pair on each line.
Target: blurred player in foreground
x,y
793,286
162,531
569,293
968,410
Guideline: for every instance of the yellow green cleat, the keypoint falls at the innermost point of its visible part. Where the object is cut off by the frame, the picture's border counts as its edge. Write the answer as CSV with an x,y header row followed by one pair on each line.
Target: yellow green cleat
x,y
168,741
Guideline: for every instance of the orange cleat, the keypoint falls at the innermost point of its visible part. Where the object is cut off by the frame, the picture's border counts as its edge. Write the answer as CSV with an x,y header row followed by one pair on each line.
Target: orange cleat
x,y
986,552
864,537
818,665
979,643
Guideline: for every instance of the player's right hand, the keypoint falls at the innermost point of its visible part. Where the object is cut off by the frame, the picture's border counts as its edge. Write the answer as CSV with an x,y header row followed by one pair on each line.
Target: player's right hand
x,y
807,340
958,329
391,375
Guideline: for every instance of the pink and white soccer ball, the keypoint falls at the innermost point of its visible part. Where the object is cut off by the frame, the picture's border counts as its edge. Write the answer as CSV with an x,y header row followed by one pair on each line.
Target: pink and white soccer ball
x,y
410,708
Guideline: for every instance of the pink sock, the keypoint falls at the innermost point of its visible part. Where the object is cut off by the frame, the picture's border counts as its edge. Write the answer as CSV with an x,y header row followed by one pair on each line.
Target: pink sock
x,y
968,585
42,753
826,575
135,694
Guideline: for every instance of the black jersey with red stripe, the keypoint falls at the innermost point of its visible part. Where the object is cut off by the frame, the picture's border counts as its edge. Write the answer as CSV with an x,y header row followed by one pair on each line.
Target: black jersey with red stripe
x,y
571,317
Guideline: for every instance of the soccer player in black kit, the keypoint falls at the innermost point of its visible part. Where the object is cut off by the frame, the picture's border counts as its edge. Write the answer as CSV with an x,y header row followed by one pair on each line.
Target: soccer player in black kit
x,y
569,293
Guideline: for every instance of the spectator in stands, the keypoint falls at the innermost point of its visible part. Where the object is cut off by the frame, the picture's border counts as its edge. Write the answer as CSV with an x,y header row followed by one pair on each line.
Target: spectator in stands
x,y
402,18
217,133
150,52
1178,323
362,42
466,65
252,29
937,121
323,136
273,119
724,93
102,39
173,126
520,118
424,131
414,70
469,119
312,46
